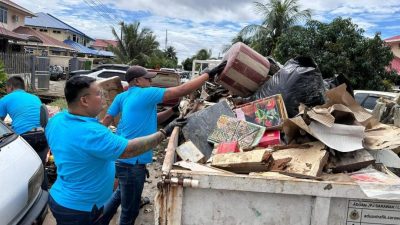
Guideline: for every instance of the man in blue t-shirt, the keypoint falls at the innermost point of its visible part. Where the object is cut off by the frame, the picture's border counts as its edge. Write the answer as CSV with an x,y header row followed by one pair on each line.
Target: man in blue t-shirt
x,y
84,153
24,110
138,110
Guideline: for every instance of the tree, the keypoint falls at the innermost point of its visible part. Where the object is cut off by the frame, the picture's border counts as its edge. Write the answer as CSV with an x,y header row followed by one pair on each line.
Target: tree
x,y
171,53
203,54
278,16
187,64
135,46
159,59
340,48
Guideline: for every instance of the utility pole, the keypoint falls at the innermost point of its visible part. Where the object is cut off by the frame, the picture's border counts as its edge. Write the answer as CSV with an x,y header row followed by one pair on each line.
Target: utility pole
x,y
166,39
122,25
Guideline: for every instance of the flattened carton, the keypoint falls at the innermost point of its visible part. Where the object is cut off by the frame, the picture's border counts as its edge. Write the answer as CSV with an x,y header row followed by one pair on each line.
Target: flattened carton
x,y
245,70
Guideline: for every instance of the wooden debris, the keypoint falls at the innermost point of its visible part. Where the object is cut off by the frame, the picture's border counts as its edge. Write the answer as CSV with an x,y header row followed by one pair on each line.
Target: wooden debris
x,y
306,162
350,161
189,152
111,87
280,164
243,162
196,167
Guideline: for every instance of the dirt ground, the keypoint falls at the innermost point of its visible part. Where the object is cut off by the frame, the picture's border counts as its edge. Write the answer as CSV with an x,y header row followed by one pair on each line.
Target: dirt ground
x,y
146,214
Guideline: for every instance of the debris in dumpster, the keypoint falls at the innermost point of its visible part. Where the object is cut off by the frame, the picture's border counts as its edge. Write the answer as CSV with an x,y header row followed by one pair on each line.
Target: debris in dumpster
x,y
199,167
231,129
270,138
386,157
382,136
243,162
280,164
306,162
376,184
200,125
299,81
350,161
228,147
269,112
271,175
245,70
189,152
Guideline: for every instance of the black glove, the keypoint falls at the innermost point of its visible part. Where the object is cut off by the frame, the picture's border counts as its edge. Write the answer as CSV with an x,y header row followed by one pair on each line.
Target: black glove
x,y
179,122
216,70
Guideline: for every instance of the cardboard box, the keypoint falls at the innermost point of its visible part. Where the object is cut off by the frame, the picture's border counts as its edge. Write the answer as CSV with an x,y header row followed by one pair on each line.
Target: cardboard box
x,y
269,112
270,138
245,70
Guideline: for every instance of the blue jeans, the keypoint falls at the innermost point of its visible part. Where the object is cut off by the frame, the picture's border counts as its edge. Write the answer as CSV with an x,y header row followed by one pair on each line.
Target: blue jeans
x,y
66,216
131,180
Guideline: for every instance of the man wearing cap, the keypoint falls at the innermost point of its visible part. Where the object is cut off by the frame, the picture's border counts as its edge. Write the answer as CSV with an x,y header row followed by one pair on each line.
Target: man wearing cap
x,y
138,110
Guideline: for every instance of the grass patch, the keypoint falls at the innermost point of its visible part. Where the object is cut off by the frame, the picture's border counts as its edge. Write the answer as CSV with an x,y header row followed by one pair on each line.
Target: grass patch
x,y
60,103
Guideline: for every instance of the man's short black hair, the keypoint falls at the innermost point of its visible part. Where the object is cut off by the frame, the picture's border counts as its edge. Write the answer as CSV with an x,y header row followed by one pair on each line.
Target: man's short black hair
x,y
75,86
16,82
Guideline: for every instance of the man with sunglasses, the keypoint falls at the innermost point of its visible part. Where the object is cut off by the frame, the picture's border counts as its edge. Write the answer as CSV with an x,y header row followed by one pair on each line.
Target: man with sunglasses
x,y
138,110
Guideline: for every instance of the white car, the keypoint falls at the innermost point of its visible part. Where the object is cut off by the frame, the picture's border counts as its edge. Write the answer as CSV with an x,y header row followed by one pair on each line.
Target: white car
x,y
107,73
22,200
367,99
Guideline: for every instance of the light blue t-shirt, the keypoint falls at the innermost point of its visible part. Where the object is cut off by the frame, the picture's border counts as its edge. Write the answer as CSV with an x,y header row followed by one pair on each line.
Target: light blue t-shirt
x,y
84,152
23,108
138,110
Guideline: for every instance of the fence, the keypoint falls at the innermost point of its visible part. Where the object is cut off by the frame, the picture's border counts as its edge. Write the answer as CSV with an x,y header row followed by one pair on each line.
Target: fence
x,y
26,66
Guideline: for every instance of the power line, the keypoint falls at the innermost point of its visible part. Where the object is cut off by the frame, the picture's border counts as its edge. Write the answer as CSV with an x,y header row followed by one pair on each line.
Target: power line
x,y
100,13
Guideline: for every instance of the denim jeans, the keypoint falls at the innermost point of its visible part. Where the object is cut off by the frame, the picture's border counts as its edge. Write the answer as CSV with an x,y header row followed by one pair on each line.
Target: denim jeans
x,y
66,216
131,180
37,140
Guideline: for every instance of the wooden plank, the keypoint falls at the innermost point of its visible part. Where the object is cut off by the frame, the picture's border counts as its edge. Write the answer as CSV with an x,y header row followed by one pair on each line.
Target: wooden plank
x,y
306,162
243,162
170,151
350,161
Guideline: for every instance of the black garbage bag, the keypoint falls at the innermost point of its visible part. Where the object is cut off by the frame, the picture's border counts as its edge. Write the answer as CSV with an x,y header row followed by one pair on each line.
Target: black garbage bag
x,y
336,81
299,81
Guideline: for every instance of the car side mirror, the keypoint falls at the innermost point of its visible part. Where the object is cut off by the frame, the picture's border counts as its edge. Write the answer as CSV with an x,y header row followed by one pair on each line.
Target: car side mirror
x,y
44,115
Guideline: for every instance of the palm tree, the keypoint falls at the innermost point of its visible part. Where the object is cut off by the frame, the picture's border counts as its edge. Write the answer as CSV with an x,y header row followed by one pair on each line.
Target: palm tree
x,y
278,16
135,45
171,53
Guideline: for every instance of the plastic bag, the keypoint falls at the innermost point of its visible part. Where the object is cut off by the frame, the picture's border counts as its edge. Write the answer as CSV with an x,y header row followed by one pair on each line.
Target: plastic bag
x,y
299,81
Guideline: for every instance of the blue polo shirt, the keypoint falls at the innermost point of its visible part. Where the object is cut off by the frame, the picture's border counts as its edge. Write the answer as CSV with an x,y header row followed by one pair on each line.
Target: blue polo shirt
x,y
138,110
84,152
23,108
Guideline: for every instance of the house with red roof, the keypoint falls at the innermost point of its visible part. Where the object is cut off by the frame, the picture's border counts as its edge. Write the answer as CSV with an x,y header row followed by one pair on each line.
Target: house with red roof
x,y
103,44
394,43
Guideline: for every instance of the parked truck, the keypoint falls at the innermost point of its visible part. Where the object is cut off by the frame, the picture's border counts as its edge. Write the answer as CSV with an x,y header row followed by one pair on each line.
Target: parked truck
x,y
189,197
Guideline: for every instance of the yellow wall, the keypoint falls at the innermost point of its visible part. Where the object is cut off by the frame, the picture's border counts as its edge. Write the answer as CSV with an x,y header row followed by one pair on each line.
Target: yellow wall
x,y
395,46
60,34
11,23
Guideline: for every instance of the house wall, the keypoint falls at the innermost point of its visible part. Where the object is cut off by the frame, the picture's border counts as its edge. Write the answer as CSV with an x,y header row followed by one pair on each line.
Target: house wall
x,y
12,23
395,46
64,60
61,34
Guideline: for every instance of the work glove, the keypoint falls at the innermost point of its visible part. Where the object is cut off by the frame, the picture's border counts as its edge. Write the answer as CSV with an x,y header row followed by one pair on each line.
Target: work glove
x,y
216,70
179,122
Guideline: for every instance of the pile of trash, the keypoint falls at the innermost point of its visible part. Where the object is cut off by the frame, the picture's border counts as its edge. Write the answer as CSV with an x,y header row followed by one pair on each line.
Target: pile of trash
x,y
286,125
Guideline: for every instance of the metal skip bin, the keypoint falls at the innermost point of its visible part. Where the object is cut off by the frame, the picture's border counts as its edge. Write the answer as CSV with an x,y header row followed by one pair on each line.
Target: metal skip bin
x,y
203,197
43,80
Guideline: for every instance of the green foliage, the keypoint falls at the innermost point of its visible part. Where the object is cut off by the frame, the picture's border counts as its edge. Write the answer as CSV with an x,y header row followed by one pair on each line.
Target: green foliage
x,y
160,59
340,48
88,65
3,80
187,64
62,103
277,17
136,45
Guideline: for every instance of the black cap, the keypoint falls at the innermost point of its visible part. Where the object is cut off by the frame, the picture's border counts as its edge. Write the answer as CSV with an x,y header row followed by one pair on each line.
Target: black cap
x,y
138,71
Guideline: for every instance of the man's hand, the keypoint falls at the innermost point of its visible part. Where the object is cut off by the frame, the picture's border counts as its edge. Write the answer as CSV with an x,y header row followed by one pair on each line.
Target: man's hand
x,y
180,122
175,108
216,70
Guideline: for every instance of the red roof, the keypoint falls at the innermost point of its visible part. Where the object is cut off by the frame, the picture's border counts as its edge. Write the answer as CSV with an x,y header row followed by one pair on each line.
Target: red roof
x,y
46,40
104,43
392,39
395,64
7,34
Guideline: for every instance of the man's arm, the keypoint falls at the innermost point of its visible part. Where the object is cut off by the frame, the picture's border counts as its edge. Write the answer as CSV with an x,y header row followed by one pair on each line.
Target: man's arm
x,y
140,145
107,120
186,88
164,115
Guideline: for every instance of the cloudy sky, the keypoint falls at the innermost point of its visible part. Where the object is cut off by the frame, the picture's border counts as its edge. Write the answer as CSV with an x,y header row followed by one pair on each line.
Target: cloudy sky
x,y
194,24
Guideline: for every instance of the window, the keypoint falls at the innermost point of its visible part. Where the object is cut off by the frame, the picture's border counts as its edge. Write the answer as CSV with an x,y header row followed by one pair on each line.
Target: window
x,y
370,102
74,37
56,31
107,74
3,14
43,30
